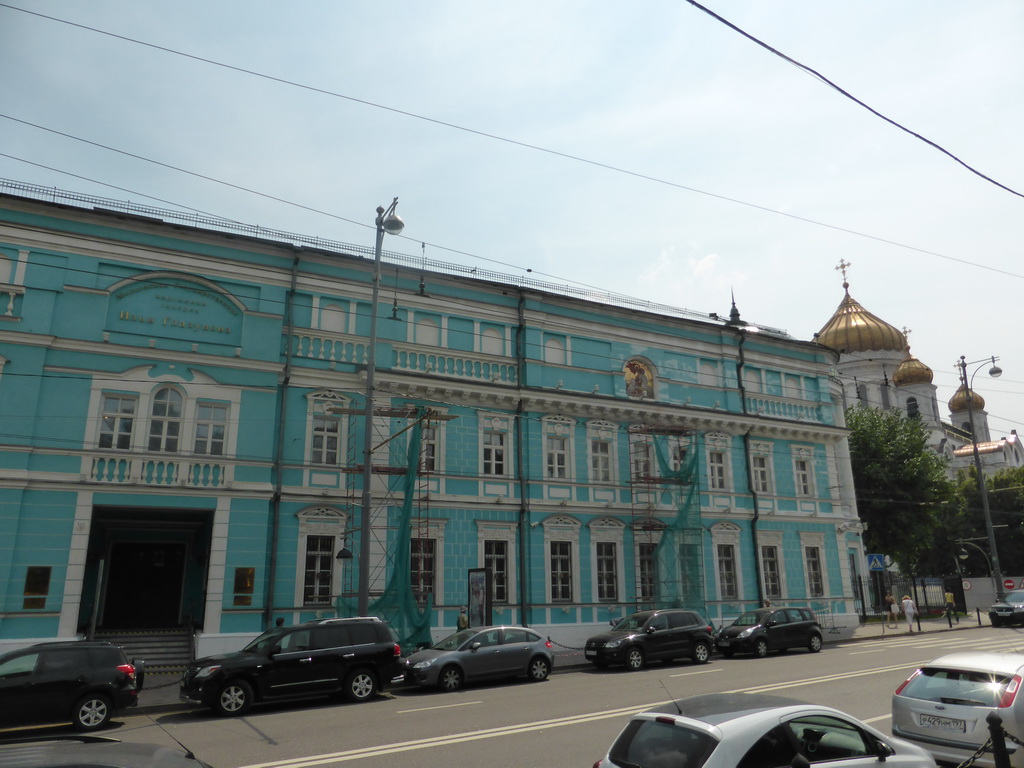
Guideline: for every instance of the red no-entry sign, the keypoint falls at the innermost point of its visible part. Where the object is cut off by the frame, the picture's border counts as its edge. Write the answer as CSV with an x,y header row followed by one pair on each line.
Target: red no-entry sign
x,y
1007,583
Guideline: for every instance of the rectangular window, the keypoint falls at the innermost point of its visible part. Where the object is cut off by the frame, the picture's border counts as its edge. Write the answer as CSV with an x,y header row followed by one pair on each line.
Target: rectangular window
x,y
319,576
727,571
678,457
421,568
760,474
600,461
770,571
716,471
640,459
117,422
494,453
648,570
37,586
496,558
607,571
802,477
326,434
557,457
211,426
428,449
561,571
815,579
245,583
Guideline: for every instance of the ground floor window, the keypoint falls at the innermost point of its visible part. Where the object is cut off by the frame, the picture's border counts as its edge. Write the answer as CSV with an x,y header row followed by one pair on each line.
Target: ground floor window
x,y
561,571
319,572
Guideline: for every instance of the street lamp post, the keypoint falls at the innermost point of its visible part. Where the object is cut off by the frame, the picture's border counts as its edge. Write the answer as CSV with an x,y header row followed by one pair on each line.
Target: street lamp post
x,y
995,371
389,222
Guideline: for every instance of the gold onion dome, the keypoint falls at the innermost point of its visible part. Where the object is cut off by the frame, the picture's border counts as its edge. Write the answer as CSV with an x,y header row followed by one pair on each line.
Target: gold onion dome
x,y
854,329
912,371
958,402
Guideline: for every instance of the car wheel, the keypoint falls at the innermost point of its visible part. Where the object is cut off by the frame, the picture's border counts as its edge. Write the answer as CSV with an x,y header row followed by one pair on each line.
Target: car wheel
x,y
761,648
234,698
91,712
701,652
450,679
814,644
360,685
635,659
539,669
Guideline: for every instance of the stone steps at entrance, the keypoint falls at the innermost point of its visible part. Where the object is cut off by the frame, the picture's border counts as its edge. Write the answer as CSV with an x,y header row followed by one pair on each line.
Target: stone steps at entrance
x,y
165,651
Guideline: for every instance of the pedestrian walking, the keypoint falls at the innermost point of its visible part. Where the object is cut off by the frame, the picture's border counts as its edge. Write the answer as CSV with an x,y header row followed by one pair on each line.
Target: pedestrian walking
x,y
951,607
891,620
910,611
463,621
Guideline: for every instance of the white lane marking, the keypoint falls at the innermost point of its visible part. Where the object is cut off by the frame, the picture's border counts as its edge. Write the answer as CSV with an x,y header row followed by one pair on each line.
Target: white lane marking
x,y
700,672
439,706
876,719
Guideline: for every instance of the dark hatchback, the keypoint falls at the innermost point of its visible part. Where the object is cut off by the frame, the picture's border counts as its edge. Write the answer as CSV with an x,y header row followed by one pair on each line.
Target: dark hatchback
x,y
771,629
652,635
83,682
355,657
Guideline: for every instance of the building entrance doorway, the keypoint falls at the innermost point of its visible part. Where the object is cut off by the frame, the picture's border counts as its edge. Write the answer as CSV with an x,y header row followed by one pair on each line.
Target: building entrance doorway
x,y
144,585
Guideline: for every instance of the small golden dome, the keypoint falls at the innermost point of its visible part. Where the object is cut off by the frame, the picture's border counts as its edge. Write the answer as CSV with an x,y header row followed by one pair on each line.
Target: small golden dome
x,y
958,402
854,329
912,371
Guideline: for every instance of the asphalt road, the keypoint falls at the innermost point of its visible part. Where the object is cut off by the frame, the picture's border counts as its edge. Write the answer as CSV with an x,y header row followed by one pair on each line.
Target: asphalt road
x,y
569,720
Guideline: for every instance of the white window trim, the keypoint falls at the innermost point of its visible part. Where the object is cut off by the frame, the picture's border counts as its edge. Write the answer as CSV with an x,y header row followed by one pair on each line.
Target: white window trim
x,y
646,532
764,451
318,403
773,539
441,436
432,528
495,531
813,540
728,533
562,528
718,443
493,422
320,521
804,453
609,530
559,426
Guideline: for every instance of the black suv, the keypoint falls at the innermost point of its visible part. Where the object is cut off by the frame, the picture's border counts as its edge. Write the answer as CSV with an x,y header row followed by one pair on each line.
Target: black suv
x,y
81,681
667,634
356,657
771,629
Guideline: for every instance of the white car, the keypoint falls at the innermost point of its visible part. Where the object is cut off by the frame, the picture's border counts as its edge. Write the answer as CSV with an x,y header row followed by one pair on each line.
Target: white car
x,y
943,706
744,730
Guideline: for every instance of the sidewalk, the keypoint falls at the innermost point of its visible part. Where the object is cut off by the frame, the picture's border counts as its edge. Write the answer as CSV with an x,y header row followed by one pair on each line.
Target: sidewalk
x,y
160,691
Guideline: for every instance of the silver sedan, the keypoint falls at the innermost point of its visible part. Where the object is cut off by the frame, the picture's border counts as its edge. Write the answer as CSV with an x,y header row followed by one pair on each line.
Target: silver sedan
x,y
481,653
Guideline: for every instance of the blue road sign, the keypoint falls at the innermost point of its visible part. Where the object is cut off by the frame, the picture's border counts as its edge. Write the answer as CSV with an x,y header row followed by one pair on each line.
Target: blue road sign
x,y
876,562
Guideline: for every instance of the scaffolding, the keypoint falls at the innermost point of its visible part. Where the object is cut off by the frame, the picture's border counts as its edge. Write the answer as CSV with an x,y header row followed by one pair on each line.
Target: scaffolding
x,y
666,518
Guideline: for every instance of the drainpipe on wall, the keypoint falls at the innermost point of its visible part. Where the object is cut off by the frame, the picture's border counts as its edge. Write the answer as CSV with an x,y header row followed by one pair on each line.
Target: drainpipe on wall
x,y
524,501
278,458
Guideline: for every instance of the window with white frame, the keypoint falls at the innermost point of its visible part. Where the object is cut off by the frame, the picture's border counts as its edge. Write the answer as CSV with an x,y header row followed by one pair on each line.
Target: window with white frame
x,y
428,448
648,568
677,454
562,541
495,446
803,471
557,447
641,456
815,574
607,537
717,447
496,542
165,421
761,468
326,428
210,429
422,568
117,422
601,439
771,571
726,557
321,536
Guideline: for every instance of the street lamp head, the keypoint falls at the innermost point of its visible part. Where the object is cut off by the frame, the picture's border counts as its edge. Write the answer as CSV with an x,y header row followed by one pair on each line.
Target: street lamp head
x,y
393,225
995,371
962,554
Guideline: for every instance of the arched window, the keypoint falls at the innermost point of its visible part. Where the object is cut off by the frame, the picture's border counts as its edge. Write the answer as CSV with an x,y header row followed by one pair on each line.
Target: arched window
x,y
165,421
554,350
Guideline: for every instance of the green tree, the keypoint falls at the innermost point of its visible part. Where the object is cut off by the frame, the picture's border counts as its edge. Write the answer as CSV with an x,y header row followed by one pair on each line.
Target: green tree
x,y
903,494
1006,507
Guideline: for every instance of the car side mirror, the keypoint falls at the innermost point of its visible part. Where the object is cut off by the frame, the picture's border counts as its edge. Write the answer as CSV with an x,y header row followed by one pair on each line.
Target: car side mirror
x,y
611,622
883,750
799,761
474,646
651,630
771,622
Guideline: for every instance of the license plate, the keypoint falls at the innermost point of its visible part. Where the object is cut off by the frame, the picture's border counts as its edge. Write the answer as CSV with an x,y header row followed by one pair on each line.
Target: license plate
x,y
723,643
946,723
590,653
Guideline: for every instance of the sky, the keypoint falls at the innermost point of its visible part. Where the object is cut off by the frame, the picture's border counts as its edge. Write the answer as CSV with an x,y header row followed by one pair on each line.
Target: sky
x,y
644,148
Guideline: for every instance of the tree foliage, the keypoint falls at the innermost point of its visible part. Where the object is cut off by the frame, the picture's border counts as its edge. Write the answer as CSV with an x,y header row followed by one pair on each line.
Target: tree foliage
x,y
905,499
1006,507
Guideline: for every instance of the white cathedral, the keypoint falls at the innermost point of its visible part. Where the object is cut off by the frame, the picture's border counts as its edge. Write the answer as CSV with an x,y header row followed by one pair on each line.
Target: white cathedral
x,y
877,370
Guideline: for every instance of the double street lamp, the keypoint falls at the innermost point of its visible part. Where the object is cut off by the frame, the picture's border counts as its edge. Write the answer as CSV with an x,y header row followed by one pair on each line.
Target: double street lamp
x,y
995,371
387,222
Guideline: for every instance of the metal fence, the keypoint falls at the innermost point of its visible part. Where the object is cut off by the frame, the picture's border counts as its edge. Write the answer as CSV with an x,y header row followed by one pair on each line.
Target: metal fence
x,y
927,592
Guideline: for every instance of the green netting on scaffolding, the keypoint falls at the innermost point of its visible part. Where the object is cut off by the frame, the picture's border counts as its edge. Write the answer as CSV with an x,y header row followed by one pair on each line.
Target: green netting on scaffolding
x,y
679,556
397,604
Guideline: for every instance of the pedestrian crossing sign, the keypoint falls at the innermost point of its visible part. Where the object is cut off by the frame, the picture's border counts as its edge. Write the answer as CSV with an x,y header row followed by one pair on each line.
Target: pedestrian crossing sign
x,y
876,562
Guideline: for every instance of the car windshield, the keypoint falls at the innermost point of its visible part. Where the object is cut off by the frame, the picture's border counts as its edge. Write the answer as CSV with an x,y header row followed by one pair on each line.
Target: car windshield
x,y
264,642
630,623
452,642
1014,598
750,619
958,686
651,743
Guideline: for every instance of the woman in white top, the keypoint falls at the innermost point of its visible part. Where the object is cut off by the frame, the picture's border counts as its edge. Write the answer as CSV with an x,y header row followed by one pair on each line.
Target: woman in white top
x,y
910,611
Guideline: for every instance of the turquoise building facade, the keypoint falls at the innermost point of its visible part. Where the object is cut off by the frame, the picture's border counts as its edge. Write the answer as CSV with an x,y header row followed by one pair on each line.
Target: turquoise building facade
x,y
182,410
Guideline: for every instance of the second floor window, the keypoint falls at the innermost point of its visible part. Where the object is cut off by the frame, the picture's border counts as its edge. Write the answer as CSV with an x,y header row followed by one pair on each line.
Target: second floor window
x,y
600,461
716,471
165,422
428,449
494,453
211,427
557,452
760,474
117,422
802,477
326,433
